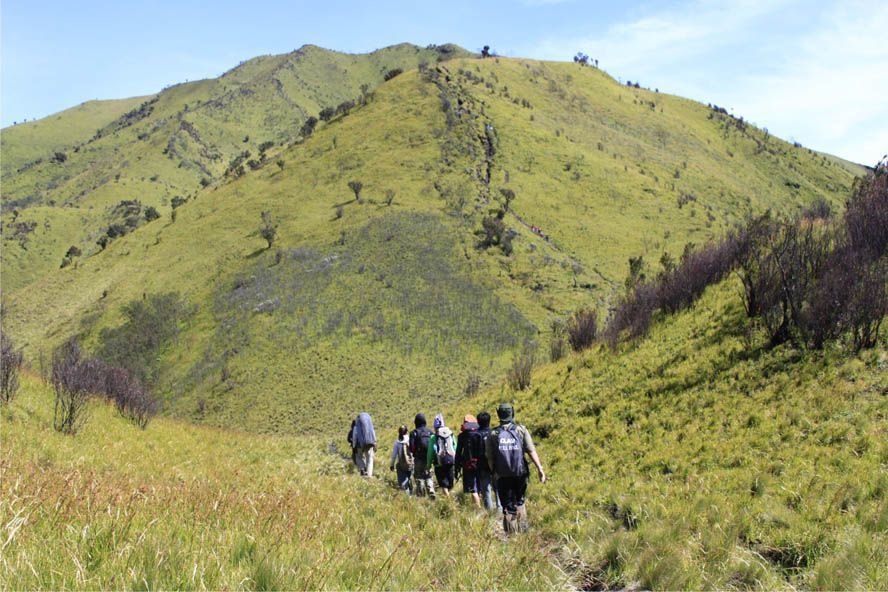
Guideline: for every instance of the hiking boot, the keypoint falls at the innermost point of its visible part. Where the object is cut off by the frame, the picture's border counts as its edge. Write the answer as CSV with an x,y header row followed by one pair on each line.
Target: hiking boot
x,y
521,518
510,523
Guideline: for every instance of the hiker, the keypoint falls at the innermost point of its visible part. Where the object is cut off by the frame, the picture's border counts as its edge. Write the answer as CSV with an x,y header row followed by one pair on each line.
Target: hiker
x,y
402,460
362,438
471,460
505,450
419,447
442,453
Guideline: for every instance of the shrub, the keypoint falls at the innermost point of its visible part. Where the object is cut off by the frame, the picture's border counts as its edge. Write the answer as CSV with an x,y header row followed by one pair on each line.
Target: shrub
x,y
582,329
389,196
473,383
268,230
327,113
308,127
177,201
520,374
492,231
819,209
392,73
10,364
340,210
356,187
151,213
281,163
70,380
73,251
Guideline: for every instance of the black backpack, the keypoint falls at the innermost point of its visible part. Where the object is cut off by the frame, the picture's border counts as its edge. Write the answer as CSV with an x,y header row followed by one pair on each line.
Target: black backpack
x,y
419,442
509,461
473,454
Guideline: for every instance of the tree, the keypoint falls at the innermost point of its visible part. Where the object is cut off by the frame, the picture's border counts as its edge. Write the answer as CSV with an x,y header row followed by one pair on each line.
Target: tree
x,y
508,197
70,379
10,363
356,187
308,127
268,230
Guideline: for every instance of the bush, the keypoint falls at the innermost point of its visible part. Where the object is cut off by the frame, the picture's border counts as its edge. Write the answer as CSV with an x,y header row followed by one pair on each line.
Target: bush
x,y
151,213
268,230
327,113
10,364
582,329
308,127
356,187
70,380
520,374
392,73
73,251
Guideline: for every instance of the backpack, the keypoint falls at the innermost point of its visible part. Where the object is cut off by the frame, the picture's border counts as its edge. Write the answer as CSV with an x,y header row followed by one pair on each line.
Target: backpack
x,y
405,459
420,443
509,461
473,453
444,449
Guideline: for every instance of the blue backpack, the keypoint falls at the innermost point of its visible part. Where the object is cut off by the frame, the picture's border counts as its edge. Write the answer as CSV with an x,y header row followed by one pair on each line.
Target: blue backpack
x,y
509,461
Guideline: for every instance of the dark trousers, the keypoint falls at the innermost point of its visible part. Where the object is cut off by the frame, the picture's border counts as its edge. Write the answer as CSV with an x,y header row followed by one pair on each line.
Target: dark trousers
x,y
511,492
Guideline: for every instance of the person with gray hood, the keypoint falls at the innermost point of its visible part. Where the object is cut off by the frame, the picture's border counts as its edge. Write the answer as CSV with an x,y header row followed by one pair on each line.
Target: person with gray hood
x,y
362,438
506,447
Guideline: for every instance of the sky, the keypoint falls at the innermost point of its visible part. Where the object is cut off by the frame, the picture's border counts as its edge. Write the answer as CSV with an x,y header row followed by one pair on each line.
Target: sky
x,y
810,71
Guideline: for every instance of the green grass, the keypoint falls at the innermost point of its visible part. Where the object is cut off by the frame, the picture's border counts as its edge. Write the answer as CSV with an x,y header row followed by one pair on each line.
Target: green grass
x,y
699,458
179,506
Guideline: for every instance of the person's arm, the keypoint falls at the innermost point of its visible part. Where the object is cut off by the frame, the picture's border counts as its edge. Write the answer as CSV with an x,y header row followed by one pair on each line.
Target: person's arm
x,y
459,459
395,452
531,450
489,449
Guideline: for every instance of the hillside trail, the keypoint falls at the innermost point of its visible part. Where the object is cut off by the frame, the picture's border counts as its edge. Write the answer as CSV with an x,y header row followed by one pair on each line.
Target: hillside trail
x,y
576,575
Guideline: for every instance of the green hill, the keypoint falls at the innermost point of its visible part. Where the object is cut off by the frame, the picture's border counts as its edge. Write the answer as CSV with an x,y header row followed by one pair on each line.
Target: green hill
x,y
388,301
81,166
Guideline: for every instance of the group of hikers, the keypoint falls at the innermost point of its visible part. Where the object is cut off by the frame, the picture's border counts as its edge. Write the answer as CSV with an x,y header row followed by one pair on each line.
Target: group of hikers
x,y
490,461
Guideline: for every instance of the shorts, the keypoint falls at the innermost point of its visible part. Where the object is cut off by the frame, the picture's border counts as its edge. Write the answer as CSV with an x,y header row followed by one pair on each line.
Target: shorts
x,y
445,476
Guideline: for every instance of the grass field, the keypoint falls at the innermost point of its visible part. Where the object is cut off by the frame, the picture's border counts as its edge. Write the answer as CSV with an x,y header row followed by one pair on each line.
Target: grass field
x,y
693,458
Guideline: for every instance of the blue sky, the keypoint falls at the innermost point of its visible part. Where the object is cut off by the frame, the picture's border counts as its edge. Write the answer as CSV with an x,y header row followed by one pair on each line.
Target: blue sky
x,y
815,72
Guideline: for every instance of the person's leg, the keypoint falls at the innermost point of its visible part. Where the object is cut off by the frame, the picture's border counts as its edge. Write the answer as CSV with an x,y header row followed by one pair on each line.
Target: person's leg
x,y
485,490
520,498
370,454
359,461
403,479
507,491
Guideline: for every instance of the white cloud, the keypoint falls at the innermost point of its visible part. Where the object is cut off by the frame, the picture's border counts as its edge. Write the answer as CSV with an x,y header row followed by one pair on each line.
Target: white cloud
x,y
817,75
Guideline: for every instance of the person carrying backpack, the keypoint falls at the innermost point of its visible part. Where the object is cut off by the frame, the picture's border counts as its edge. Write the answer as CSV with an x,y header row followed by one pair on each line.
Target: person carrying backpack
x,y
442,454
402,461
362,438
418,445
471,460
505,450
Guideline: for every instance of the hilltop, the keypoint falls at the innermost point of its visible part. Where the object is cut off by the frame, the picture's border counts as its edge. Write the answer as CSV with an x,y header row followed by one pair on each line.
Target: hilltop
x,y
496,196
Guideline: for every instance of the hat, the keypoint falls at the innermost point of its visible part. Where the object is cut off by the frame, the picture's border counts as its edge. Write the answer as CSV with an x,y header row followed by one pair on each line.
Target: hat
x,y
505,412
439,421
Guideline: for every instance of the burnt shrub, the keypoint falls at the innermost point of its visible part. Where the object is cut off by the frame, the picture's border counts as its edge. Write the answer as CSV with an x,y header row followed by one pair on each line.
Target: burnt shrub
x,y
69,379
819,209
866,214
10,364
356,187
582,329
73,251
521,372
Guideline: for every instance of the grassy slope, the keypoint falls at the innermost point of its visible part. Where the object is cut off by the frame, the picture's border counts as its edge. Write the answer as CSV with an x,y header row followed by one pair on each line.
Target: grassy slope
x,y
191,132
698,458
358,333
179,506
27,142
